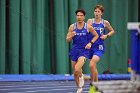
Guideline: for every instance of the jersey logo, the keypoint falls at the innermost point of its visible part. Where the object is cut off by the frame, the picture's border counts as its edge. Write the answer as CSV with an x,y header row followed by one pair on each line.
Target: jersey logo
x,y
82,33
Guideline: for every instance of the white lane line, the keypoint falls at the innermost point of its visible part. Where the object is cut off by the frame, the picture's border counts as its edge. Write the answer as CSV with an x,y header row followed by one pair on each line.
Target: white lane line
x,y
41,88
26,83
31,83
8,83
34,85
46,84
36,88
46,90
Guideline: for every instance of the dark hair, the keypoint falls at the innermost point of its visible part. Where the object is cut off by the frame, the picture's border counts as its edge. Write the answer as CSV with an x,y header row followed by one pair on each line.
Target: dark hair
x,y
80,10
100,7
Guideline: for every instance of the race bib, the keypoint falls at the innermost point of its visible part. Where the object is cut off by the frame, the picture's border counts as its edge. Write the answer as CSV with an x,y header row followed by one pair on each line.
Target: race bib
x,y
101,47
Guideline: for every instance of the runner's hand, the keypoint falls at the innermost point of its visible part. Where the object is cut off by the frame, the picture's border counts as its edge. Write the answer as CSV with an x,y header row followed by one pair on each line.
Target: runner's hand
x,y
88,46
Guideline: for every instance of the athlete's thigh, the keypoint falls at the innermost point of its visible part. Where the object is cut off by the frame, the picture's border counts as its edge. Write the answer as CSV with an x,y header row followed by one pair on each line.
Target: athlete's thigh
x,y
97,55
95,58
80,62
73,63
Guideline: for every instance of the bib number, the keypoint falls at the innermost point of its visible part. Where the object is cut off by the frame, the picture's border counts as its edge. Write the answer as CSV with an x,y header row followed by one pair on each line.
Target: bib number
x,y
101,47
101,31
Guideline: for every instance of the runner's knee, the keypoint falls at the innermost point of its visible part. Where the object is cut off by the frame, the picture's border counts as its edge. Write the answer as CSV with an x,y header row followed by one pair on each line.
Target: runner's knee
x,y
77,71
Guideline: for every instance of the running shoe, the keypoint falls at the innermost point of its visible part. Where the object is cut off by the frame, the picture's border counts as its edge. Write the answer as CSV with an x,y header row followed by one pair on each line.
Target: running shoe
x,y
93,89
81,81
79,90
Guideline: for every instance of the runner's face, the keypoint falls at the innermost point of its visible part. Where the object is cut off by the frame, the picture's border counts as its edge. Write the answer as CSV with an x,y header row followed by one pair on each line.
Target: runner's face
x,y
80,17
98,13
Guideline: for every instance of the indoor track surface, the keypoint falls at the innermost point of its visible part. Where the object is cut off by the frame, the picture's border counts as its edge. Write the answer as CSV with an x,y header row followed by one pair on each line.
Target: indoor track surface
x,y
118,86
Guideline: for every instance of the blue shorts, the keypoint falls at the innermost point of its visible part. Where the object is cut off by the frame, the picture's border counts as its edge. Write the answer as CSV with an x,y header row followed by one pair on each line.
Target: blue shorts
x,y
97,50
76,53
